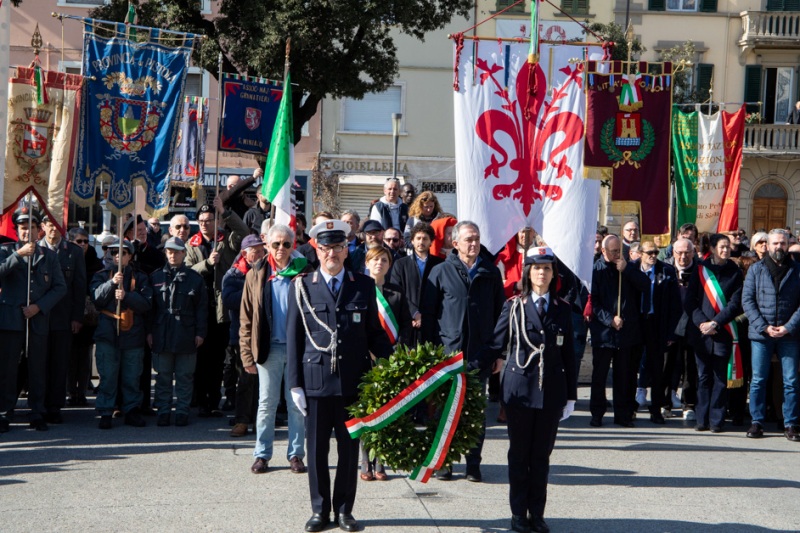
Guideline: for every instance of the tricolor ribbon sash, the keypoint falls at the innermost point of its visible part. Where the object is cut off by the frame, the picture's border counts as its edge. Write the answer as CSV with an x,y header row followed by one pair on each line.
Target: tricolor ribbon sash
x,y
386,316
451,369
718,301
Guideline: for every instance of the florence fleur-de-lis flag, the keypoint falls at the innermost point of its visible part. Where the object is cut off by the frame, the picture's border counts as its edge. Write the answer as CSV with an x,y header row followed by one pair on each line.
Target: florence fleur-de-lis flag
x,y
279,168
519,152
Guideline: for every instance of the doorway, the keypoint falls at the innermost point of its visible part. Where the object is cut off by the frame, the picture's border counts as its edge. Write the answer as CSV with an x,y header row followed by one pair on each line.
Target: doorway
x,y
769,207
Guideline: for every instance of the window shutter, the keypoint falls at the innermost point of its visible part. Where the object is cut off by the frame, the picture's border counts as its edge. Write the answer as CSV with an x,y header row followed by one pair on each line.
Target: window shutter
x,y
705,73
752,86
374,112
708,6
783,5
503,4
657,5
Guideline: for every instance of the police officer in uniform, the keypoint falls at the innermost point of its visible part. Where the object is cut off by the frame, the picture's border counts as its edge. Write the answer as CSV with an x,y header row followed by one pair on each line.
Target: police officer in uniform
x,y
66,318
47,288
332,326
538,383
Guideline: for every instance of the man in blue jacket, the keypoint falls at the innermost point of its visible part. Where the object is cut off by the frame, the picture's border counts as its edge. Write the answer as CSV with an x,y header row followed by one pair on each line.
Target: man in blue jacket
x,y
771,301
464,301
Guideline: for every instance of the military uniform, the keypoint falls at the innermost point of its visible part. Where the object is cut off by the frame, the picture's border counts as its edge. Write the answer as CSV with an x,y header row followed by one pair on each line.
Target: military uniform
x,y
69,309
330,378
47,289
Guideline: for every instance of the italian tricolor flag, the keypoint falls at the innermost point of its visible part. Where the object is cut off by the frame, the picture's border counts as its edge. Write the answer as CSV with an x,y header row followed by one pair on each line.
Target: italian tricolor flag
x,y
279,169
386,316
707,156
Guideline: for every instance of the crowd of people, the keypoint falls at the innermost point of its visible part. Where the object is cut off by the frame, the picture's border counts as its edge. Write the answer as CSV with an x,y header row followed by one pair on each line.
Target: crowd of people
x,y
276,320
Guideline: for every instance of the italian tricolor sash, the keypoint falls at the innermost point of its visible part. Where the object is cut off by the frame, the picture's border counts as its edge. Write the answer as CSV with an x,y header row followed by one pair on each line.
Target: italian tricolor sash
x,y
388,321
449,370
714,294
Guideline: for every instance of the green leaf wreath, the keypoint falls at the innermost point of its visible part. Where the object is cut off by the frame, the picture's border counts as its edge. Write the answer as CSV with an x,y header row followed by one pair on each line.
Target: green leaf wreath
x,y
403,445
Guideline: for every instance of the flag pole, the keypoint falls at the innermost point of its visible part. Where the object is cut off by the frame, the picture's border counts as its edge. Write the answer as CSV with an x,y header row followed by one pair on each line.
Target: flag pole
x,y
219,132
285,75
119,263
30,268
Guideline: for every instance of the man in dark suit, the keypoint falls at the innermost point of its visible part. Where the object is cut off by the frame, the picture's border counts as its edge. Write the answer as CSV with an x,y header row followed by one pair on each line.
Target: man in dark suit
x,y
66,318
332,326
794,115
661,309
17,307
411,273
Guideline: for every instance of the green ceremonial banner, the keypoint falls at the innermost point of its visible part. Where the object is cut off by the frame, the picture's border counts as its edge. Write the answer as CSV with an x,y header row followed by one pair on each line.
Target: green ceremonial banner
x,y
684,149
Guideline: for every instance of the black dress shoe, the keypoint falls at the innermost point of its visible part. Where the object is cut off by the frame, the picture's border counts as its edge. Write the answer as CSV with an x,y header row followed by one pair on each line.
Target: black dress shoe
x,y
445,473
755,431
623,423
54,418
716,429
135,419
318,522
520,524
657,419
792,433
163,420
105,422
539,525
347,522
596,421
5,426
701,427
39,424
474,474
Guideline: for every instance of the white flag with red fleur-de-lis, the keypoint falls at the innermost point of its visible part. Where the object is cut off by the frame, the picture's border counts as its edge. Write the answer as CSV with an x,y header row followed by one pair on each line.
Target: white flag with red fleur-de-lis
x,y
519,153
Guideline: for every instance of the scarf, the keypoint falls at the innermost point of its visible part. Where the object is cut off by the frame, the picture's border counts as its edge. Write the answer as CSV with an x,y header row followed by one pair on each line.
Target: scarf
x,y
778,272
296,265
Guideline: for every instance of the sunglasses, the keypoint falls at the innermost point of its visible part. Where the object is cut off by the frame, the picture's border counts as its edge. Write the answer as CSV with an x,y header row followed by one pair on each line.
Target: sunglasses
x,y
81,241
392,240
116,252
651,252
285,244
181,226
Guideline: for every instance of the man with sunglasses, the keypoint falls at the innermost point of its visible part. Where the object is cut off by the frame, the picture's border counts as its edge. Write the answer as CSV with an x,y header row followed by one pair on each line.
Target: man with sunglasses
x,y
120,338
332,327
66,317
23,314
211,256
661,310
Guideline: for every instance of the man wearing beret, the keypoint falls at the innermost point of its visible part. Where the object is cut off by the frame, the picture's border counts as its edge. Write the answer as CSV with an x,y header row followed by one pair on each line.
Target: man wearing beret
x,y
66,317
178,327
332,326
24,314
120,337
211,256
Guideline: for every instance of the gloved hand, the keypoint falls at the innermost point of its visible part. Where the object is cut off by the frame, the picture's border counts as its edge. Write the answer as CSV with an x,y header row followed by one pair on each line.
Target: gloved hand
x,y
568,409
299,399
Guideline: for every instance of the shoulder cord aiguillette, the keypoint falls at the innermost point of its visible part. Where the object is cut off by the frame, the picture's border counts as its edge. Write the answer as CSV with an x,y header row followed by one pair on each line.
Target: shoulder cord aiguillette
x,y
302,298
516,329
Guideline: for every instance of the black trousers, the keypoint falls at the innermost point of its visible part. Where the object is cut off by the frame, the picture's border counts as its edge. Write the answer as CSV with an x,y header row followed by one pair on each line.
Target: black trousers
x,y
210,358
79,370
680,371
624,387
324,415
531,437
653,355
246,390
712,389
29,370
59,345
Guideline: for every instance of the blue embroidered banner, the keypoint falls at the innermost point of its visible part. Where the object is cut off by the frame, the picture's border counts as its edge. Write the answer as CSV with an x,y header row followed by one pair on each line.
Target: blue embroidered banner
x,y
250,109
190,153
130,119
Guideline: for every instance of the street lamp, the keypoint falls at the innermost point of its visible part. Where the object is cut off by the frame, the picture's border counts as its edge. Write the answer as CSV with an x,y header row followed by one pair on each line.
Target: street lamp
x,y
396,118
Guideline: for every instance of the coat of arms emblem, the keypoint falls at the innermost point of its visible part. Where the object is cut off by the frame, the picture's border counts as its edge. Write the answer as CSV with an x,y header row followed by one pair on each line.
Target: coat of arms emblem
x,y
627,138
32,141
252,118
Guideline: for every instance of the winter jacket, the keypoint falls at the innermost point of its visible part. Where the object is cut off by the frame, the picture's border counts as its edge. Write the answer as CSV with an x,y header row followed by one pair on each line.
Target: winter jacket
x,y
180,309
605,293
699,308
139,300
764,307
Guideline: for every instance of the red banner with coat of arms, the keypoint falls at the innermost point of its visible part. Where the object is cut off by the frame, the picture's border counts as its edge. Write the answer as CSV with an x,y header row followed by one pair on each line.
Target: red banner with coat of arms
x,y
40,146
628,137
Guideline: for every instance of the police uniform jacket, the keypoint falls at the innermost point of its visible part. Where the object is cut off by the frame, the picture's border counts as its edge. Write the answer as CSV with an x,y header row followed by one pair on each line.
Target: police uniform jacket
x,y
140,301
73,267
47,287
180,308
354,317
520,387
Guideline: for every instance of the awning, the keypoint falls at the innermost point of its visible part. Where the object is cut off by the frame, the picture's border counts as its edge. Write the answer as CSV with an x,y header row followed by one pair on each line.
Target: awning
x,y
367,179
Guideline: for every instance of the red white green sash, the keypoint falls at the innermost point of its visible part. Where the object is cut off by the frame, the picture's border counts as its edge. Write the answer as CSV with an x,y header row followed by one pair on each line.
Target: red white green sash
x,y
449,370
388,321
718,301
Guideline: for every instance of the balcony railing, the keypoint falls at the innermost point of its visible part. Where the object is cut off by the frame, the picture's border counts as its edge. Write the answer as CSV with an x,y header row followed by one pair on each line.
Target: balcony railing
x,y
770,29
772,138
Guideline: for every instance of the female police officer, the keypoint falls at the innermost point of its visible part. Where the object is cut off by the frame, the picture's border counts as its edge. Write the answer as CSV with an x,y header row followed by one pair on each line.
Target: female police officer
x,y
538,383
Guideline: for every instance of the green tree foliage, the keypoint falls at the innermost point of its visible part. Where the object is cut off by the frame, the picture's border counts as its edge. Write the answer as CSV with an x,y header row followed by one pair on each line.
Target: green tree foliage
x,y
613,32
683,54
339,48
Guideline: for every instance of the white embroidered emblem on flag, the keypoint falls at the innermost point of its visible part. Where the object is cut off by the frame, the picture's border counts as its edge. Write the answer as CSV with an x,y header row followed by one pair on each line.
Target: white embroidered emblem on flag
x,y
519,156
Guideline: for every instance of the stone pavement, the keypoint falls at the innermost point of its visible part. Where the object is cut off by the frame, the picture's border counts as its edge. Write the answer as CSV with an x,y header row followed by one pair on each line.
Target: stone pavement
x,y
649,478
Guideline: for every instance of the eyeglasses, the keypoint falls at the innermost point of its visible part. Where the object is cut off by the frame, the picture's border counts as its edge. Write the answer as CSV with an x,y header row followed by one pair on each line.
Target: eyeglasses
x,y
183,226
205,220
651,252
116,252
339,248
394,239
285,244
81,241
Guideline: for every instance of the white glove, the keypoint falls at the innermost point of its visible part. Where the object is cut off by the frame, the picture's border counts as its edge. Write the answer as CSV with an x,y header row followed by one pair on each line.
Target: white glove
x,y
299,399
568,409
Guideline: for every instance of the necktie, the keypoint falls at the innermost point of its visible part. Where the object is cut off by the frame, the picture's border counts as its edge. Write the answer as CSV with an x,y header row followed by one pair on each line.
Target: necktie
x,y
334,288
540,307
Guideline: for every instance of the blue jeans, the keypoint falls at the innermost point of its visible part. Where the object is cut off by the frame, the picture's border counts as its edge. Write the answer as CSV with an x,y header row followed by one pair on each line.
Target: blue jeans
x,y
182,366
269,390
116,365
788,355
